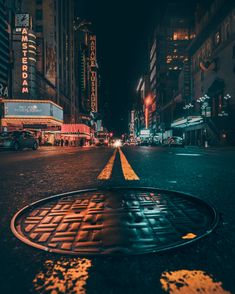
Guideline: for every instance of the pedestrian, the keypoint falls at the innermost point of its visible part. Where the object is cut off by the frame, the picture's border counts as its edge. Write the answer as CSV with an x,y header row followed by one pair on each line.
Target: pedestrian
x,y
39,140
62,142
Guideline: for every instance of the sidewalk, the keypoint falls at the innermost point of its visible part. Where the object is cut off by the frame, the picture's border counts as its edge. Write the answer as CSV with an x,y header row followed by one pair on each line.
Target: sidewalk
x,y
195,147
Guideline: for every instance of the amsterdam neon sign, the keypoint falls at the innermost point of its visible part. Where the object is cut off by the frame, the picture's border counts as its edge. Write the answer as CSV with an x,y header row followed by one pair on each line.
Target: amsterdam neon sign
x,y
24,60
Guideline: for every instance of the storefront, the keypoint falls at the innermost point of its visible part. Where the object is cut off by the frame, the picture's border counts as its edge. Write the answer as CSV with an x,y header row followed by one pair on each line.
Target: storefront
x,y
192,129
74,135
43,117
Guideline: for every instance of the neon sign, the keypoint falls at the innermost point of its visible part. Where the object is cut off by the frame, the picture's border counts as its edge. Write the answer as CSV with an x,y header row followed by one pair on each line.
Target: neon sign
x,y
24,60
93,74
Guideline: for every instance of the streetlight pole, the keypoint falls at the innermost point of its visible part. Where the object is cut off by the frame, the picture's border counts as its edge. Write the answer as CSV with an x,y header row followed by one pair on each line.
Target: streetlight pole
x,y
187,108
204,105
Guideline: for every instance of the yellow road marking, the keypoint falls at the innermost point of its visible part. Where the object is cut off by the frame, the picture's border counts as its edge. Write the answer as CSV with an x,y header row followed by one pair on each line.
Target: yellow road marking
x,y
127,170
107,171
189,236
67,275
190,281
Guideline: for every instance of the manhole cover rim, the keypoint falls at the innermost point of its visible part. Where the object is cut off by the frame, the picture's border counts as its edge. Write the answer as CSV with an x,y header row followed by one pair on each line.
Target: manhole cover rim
x,y
213,213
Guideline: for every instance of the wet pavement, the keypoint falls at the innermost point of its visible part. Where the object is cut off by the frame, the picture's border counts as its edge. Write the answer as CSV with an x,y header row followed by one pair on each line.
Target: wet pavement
x,y
205,266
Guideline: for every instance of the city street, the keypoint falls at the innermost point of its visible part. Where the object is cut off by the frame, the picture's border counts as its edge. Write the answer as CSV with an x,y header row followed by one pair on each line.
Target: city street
x,y
205,266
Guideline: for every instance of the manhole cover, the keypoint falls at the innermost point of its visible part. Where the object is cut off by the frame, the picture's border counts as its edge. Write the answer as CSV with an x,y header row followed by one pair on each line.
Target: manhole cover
x,y
114,221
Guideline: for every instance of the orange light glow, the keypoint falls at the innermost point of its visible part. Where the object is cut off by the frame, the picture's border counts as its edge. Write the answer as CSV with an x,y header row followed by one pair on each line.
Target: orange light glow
x,y
63,276
148,100
146,118
190,281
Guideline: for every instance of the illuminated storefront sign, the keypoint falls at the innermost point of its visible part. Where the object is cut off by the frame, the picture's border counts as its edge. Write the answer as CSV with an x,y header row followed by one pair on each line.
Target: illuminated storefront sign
x,y
33,109
24,60
93,74
145,133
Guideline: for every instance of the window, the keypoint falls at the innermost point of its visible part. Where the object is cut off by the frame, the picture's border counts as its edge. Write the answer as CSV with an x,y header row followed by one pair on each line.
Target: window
x,y
227,31
38,29
233,52
217,38
39,14
28,135
181,35
208,49
202,75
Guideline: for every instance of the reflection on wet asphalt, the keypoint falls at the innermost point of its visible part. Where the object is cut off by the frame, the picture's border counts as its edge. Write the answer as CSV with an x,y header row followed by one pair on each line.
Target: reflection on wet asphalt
x,y
63,276
26,177
190,282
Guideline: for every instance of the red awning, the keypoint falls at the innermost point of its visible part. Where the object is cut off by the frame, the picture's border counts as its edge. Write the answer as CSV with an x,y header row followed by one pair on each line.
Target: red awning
x,y
81,129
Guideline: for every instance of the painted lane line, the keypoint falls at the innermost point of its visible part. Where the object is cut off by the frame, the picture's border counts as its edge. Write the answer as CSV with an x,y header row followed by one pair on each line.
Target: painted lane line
x,y
191,281
127,170
107,171
188,154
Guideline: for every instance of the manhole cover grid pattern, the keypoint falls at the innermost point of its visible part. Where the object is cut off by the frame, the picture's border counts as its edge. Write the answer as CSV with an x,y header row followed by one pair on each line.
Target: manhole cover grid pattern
x,y
112,221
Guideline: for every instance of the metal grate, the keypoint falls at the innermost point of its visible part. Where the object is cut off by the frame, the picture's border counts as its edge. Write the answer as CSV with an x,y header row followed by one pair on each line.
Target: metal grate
x,y
114,221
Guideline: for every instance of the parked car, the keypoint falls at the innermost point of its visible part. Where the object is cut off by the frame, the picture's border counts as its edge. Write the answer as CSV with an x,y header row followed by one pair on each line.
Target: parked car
x,y
18,140
174,141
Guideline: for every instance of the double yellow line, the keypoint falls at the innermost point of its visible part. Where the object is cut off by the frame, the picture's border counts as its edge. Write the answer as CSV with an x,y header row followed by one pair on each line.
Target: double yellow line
x,y
127,170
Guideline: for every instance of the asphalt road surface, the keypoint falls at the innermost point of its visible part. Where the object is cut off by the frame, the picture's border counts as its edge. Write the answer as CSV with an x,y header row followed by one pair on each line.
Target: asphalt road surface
x,y
205,266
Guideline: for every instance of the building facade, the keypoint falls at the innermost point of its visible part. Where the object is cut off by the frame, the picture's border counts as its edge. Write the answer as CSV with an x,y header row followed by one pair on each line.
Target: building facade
x,y
210,113
4,50
144,105
52,24
166,60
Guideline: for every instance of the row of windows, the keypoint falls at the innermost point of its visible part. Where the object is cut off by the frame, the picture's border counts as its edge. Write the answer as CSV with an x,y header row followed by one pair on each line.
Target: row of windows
x,y
221,35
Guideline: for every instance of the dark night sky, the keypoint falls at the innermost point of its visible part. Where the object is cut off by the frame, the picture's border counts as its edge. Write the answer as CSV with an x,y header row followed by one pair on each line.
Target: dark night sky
x,y
122,29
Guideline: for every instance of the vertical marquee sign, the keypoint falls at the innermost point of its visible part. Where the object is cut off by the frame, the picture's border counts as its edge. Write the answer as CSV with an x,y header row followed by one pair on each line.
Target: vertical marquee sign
x,y
24,61
93,74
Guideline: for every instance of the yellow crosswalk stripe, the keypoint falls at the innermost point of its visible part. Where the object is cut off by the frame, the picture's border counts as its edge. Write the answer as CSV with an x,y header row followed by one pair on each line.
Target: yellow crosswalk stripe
x,y
107,171
127,170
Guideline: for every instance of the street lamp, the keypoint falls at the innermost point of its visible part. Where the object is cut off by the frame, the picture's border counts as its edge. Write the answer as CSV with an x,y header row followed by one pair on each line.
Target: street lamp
x,y
224,113
204,101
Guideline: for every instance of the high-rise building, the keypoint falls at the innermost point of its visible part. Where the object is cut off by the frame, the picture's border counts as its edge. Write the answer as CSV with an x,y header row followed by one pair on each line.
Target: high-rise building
x,y
87,71
212,56
209,113
52,23
4,50
167,56
24,48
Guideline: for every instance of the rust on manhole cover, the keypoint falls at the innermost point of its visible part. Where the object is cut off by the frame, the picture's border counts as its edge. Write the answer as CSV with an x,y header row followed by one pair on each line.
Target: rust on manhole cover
x,y
114,221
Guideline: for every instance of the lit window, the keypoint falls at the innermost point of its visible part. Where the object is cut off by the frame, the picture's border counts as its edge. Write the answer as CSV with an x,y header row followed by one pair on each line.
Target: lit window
x,y
181,35
217,38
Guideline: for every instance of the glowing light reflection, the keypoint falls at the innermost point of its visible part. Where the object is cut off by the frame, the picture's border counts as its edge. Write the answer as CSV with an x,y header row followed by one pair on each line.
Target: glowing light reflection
x,y
190,282
63,276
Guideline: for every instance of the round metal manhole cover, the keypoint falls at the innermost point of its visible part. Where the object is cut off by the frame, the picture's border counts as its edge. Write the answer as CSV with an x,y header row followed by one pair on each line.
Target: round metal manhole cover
x,y
114,221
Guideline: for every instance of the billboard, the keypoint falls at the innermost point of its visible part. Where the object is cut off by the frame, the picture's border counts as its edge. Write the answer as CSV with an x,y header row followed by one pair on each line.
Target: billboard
x,y
57,112
32,109
145,133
